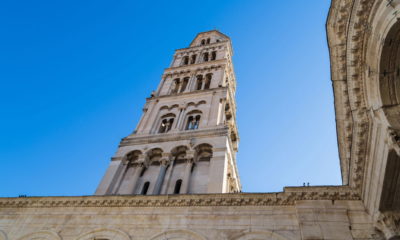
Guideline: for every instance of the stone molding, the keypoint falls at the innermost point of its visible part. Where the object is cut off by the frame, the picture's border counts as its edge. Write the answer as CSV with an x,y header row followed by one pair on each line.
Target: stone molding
x,y
220,63
196,93
215,44
178,234
47,235
287,198
347,27
173,136
105,233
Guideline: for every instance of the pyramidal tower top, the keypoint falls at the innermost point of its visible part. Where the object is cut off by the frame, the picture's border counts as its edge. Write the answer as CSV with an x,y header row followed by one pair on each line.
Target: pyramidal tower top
x,y
187,138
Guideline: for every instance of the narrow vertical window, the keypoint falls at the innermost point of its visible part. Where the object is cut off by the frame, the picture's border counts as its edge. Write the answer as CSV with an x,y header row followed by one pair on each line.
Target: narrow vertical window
x,y
190,123
175,86
184,84
186,60
205,57
169,124
203,42
208,40
193,59
163,126
196,122
145,188
213,55
208,81
178,185
199,83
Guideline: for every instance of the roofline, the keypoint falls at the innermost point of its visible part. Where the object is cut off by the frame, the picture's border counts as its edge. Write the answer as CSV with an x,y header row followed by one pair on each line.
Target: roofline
x,y
230,41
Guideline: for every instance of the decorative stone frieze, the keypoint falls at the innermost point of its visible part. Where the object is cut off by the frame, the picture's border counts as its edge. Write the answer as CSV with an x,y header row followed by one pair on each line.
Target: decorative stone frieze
x,y
288,197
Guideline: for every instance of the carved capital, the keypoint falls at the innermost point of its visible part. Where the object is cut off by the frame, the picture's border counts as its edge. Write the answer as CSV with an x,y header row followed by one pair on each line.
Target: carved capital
x,y
165,161
389,224
190,155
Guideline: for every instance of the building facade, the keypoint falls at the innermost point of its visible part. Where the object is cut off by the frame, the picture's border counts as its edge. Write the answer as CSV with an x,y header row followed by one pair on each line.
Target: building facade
x,y
175,178
187,138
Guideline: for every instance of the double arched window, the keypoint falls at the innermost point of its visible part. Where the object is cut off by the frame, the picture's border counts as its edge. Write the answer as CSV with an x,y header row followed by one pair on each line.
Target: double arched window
x,y
205,41
193,120
178,85
202,83
166,123
205,57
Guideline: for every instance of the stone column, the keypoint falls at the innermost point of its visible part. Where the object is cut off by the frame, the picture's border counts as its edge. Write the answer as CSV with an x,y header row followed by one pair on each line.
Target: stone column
x,y
167,179
131,186
160,179
188,173
181,117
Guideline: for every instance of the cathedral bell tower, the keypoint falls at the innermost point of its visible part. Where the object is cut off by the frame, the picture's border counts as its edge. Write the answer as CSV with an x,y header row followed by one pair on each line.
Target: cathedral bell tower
x,y
187,138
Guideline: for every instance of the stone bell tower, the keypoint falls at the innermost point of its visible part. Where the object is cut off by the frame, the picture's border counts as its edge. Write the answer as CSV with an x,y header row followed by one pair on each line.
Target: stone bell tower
x,y
187,138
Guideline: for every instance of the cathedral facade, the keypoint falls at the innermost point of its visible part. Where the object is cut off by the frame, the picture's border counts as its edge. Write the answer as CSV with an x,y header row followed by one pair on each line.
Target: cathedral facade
x,y
175,177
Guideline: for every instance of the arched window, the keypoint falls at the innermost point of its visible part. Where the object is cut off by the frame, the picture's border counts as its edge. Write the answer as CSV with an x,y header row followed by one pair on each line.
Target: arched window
x,y
203,41
204,152
178,185
185,60
208,81
208,40
205,57
175,86
184,84
166,123
213,55
193,121
199,82
193,59
145,188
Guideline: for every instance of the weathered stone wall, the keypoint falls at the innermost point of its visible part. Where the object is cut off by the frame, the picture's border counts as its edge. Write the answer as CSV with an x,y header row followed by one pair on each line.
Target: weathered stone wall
x,y
201,217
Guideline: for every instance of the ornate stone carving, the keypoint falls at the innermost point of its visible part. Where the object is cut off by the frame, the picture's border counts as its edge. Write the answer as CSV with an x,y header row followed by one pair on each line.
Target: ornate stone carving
x,y
238,199
389,224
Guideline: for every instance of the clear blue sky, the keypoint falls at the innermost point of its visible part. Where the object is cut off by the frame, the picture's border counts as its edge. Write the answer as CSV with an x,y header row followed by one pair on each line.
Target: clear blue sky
x,y
74,77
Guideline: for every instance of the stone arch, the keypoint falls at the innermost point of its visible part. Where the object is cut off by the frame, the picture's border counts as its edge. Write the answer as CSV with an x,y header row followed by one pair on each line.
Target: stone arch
x,y
133,156
111,234
203,150
178,235
45,235
154,154
261,235
193,119
179,152
389,76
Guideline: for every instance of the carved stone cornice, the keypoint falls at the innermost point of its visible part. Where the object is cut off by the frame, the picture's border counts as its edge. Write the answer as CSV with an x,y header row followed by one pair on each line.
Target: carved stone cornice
x,y
287,198
187,95
173,136
220,63
208,46
347,25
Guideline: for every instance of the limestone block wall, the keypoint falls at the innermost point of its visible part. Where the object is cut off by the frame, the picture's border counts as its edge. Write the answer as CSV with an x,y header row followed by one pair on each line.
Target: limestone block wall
x,y
276,216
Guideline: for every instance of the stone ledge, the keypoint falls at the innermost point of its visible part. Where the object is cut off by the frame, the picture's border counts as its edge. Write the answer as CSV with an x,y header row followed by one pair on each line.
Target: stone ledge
x,y
287,198
173,136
